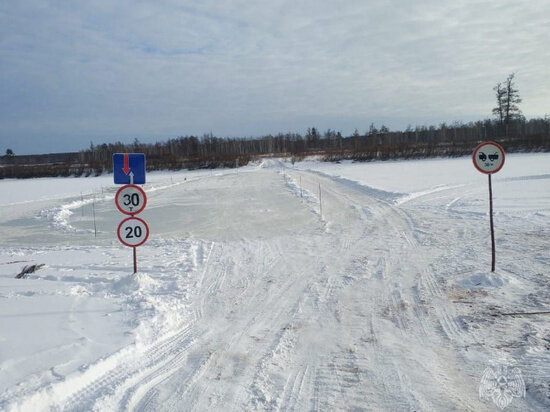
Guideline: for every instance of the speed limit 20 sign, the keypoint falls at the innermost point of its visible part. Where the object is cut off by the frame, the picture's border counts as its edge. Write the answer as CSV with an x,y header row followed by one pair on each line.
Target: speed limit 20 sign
x,y
133,231
130,199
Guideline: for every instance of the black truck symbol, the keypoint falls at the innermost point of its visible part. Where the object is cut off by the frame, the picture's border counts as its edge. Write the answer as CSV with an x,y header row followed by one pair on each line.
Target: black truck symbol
x,y
493,157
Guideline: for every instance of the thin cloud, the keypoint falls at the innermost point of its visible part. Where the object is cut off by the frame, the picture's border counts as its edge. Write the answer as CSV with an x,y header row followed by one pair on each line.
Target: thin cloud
x,y
118,70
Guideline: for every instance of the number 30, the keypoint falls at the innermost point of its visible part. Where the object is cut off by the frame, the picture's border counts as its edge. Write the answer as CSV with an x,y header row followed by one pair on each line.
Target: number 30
x,y
132,199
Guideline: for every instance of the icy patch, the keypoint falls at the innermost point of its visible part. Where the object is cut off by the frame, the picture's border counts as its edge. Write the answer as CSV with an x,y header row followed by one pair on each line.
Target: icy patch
x,y
483,280
271,164
522,178
436,189
391,197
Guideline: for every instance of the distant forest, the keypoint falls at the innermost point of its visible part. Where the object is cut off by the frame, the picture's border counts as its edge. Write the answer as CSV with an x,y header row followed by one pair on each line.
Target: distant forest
x,y
208,151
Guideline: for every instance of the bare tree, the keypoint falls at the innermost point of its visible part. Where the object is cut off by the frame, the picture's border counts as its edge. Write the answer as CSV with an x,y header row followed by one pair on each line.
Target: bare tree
x,y
508,99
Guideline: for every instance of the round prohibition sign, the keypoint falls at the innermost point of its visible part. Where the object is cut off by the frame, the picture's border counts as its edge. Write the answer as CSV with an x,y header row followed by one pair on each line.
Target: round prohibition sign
x,y
488,157
133,231
130,199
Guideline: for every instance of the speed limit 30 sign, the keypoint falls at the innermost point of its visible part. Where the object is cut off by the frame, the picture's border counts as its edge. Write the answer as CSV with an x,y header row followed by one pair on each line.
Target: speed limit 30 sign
x,y
130,199
133,232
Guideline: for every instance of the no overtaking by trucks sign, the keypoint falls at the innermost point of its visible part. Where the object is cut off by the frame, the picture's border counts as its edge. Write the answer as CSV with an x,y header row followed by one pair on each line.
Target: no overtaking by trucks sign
x,y
488,158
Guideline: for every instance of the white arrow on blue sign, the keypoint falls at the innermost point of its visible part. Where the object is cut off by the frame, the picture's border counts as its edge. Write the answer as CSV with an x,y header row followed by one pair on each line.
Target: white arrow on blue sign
x,y
129,168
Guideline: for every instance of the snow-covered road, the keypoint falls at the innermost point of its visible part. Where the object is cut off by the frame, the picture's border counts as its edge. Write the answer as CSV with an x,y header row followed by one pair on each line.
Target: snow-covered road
x,y
249,298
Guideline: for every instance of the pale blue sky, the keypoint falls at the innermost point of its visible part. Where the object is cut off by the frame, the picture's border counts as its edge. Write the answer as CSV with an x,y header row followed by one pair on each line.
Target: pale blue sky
x,y
72,72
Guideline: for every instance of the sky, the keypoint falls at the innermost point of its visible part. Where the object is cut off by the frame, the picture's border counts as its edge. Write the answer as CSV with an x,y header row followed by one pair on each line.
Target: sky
x,y
74,72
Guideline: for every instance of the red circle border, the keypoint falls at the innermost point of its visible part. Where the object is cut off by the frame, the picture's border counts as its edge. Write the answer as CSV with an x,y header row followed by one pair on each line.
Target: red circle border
x,y
144,200
477,150
133,218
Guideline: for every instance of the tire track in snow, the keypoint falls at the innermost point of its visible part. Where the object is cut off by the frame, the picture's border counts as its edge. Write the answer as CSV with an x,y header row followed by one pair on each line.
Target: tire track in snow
x,y
293,389
164,358
337,381
103,381
198,310
229,336
431,291
408,313
187,376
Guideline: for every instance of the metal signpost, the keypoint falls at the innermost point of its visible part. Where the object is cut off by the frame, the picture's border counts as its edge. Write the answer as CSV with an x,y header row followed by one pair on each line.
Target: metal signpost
x,y
129,170
489,158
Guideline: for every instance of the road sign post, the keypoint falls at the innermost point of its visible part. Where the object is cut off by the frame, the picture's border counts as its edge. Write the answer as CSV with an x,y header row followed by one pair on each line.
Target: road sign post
x,y
489,158
130,199
133,232
135,260
491,224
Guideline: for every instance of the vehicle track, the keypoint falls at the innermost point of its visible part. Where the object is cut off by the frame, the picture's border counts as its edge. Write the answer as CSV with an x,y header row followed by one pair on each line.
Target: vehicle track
x,y
333,316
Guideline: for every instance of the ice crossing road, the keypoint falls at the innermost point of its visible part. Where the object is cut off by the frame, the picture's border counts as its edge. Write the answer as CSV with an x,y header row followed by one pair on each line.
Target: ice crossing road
x,y
254,301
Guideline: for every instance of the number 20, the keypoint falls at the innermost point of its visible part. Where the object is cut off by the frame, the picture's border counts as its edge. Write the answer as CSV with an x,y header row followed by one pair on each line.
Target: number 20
x,y
133,232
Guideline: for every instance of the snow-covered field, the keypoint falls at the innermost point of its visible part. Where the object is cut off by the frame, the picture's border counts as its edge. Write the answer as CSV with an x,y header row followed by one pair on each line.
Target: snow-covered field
x,y
249,297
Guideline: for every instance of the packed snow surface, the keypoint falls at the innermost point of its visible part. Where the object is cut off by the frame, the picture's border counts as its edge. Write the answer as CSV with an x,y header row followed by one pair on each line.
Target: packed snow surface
x,y
313,286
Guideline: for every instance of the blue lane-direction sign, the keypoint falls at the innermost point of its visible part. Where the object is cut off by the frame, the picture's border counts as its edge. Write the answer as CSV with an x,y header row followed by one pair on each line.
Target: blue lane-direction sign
x,y
129,168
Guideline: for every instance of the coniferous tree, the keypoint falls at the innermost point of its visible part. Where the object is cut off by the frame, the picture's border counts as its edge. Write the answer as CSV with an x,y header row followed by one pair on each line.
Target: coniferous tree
x,y
507,109
512,99
500,95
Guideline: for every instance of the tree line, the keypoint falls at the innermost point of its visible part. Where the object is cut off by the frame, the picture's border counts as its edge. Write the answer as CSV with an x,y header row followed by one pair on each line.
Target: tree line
x,y
209,151
509,128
